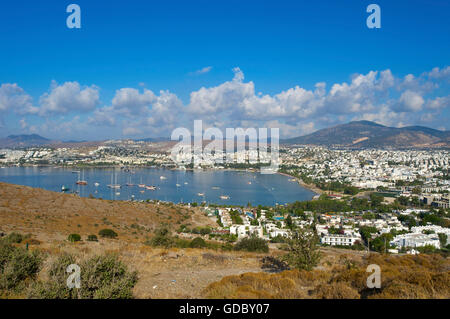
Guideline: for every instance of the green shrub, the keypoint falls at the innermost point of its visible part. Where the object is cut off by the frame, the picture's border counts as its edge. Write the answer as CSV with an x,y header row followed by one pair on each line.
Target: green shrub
x,y
252,244
17,265
108,233
74,237
92,238
162,238
14,238
197,242
102,277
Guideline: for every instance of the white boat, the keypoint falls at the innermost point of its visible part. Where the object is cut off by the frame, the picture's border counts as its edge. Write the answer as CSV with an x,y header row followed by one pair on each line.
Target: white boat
x,y
185,183
177,185
201,194
162,177
96,184
152,188
215,187
117,193
224,197
115,185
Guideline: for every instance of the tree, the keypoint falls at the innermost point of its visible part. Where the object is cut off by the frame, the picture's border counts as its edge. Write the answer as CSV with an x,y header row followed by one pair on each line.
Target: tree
x,y
443,239
303,252
376,200
162,238
289,221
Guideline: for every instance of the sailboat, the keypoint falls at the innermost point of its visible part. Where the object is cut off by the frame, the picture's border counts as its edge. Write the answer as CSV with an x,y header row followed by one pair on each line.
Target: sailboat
x,y
81,181
129,182
64,189
151,188
141,185
115,185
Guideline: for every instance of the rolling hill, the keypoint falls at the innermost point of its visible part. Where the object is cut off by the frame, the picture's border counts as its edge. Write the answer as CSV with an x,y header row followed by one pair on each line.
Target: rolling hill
x,y
24,141
363,134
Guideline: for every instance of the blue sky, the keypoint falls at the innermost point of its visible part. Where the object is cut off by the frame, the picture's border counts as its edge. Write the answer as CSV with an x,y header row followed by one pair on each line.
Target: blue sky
x,y
143,68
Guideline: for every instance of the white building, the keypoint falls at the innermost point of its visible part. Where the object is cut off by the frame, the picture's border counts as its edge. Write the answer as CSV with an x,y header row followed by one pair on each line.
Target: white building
x,y
415,240
341,240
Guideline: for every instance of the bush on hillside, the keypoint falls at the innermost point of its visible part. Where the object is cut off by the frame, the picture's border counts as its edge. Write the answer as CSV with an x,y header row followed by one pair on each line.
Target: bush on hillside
x,y
162,238
74,238
102,277
13,238
107,233
253,244
197,242
17,265
92,238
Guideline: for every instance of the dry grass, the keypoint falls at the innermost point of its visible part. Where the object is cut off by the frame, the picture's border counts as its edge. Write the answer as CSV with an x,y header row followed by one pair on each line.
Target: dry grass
x,y
424,276
51,215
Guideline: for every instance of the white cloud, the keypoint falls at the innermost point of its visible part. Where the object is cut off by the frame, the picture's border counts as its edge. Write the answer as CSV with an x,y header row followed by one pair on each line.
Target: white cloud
x,y
377,96
437,73
439,103
23,124
13,97
103,116
204,70
410,101
69,97
129,101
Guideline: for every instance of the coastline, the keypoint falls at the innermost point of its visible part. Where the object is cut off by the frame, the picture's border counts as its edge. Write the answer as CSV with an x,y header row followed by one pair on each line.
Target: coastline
x,y
139,197
312,188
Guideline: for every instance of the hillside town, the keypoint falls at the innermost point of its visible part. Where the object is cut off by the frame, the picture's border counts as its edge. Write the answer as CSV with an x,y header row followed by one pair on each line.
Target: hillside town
x,y
345,230
409,184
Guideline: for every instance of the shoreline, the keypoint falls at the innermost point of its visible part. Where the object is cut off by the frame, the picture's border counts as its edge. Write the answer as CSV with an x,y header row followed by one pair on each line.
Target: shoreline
x,y
312,188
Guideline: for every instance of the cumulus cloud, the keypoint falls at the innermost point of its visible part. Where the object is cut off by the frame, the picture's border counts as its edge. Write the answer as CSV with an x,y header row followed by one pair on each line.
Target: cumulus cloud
x,y
410,101
130,100
437,73
221,98
439,103
376,96
14,98
69,97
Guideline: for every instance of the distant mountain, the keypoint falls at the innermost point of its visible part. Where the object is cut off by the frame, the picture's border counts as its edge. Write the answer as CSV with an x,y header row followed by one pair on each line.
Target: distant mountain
x,y
153,139
363,134
24,141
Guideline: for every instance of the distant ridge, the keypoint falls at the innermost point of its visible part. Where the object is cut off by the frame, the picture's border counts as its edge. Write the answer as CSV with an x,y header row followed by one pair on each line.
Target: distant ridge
x,y
153,139
366,134
24,141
